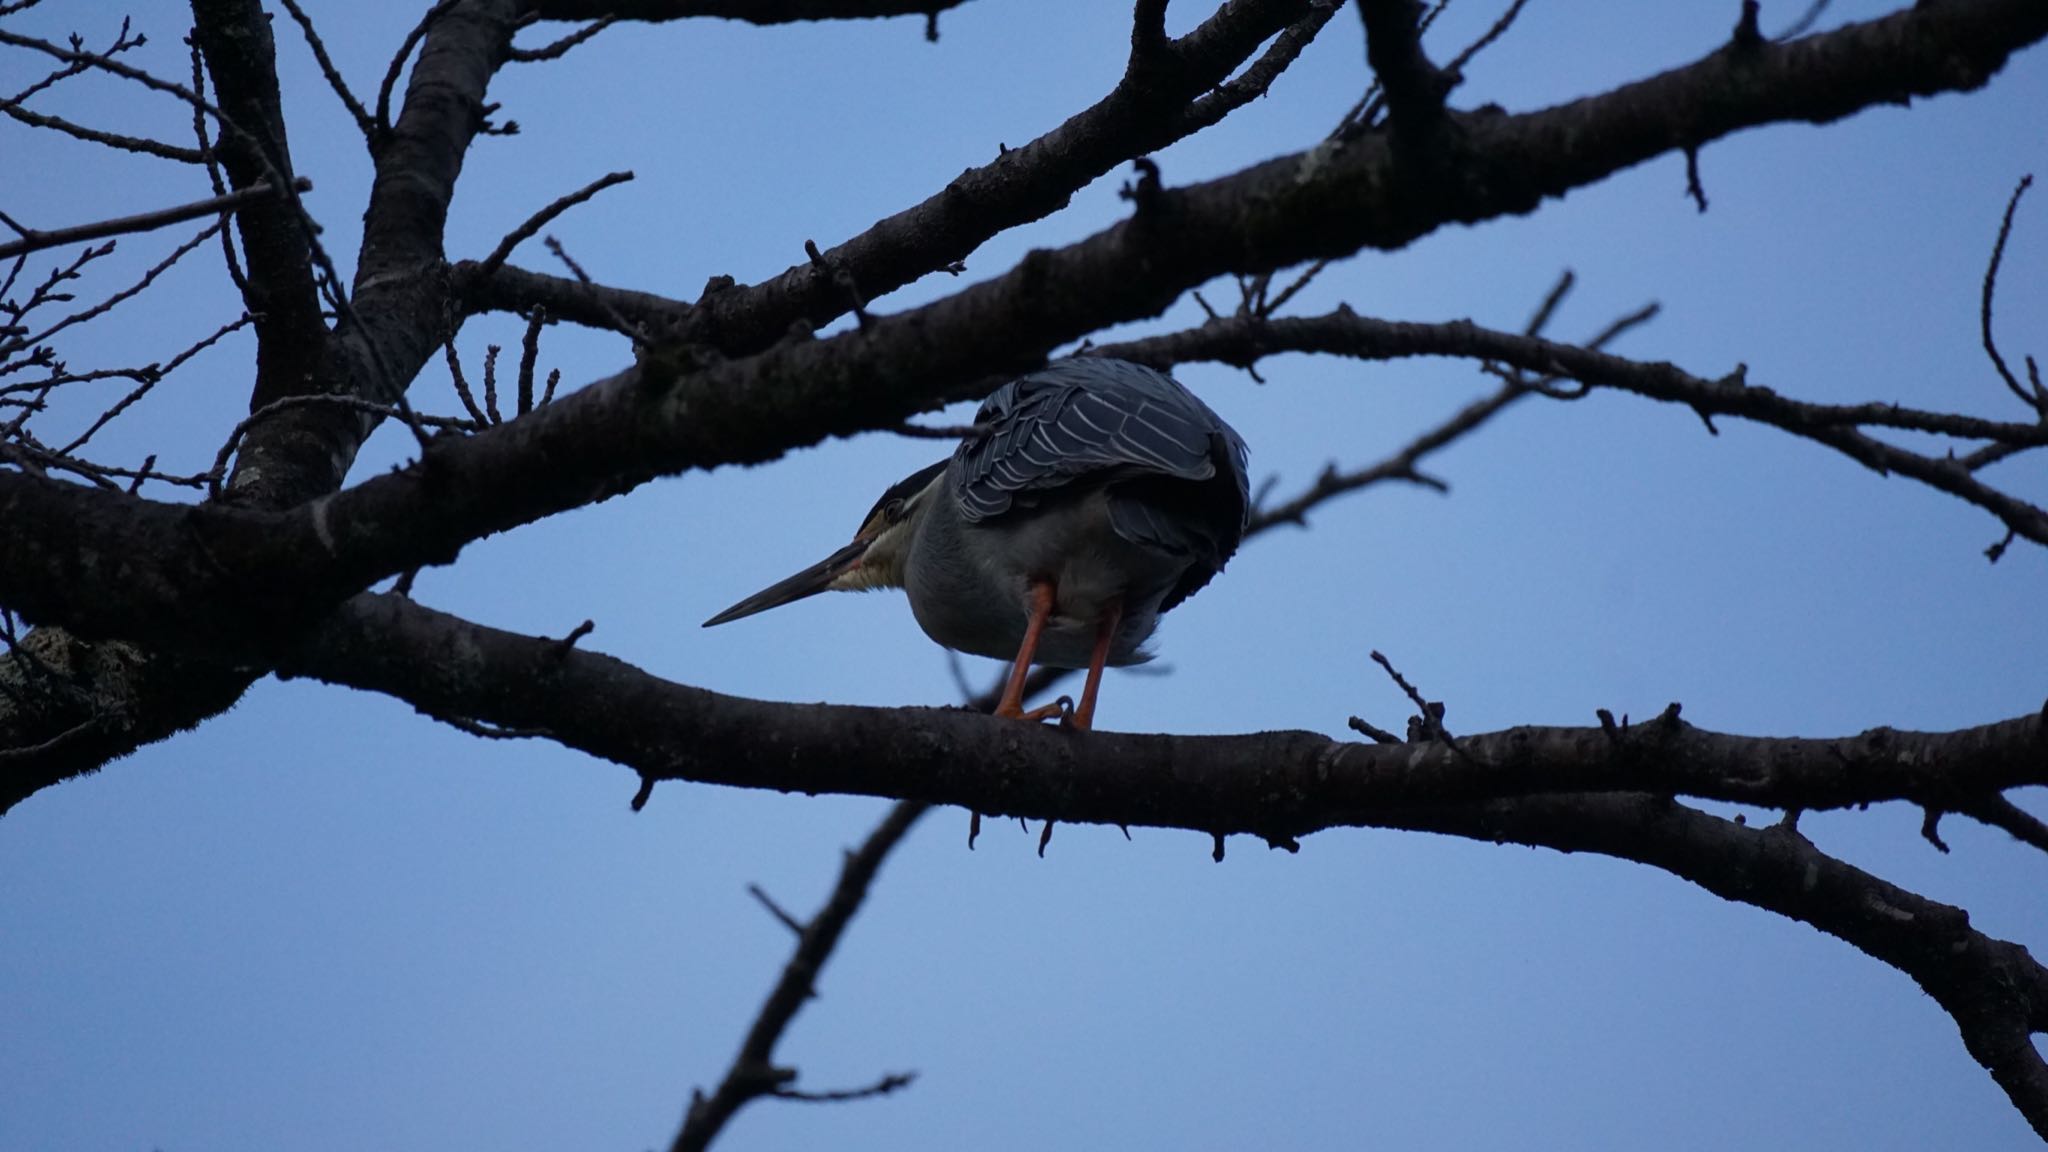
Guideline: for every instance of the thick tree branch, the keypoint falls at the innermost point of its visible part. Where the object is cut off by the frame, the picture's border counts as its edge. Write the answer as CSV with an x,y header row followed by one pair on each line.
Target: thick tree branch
x,y
1148,109
514,289
291,338
1277,214
388,524
400,293
1414,87
125,697
1273,784
135,697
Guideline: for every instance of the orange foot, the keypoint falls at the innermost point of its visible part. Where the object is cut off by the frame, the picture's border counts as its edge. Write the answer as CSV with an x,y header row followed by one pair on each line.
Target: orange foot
x,y
1061,709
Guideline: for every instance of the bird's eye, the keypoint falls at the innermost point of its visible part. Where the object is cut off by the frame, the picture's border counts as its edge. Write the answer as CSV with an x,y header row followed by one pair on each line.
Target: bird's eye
x,y
893,510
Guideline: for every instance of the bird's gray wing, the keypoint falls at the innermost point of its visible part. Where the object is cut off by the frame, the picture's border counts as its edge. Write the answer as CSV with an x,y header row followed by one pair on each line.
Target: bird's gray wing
x,y
1174,472
1083,421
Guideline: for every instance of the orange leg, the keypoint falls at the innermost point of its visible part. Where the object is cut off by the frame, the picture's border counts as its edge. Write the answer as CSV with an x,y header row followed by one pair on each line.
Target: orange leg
x,y
1041,609
1105,631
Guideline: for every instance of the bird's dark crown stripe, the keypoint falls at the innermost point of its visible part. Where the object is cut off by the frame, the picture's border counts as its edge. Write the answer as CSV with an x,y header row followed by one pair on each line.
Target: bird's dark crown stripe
x,y
907,487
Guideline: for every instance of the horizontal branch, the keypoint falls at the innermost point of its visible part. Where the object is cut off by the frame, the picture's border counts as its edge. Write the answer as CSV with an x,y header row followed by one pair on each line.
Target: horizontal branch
x,y
750,11
1275,784
1243,340
36,240
511,288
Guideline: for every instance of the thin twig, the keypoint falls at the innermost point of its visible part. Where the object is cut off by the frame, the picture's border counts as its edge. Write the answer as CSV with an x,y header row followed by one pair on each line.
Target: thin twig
x,y
35,240
138,144
540,219
391,75
1999,812
1806,20
148,278
357,404
2038,403
560,48
356,111
213,169
790,922
883,1087
1456,67
151,376
753,1072
529,354
462,385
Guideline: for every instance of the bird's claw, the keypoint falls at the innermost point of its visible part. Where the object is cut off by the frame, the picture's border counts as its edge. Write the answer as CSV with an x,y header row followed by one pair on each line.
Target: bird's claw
x,y
1061,708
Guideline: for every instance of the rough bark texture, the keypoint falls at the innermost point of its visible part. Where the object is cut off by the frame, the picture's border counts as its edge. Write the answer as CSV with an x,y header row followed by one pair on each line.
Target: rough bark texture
x,y
156,614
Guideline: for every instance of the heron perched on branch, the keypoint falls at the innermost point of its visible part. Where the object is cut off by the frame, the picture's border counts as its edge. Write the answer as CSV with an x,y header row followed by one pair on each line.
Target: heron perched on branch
x,y
1092,496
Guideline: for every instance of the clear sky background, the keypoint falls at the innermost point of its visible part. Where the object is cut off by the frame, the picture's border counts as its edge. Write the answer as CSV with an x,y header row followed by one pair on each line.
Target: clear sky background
x,y
323,922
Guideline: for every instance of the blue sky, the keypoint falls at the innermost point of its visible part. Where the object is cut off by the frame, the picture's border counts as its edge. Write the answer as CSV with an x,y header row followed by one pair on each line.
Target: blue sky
x,y
321,921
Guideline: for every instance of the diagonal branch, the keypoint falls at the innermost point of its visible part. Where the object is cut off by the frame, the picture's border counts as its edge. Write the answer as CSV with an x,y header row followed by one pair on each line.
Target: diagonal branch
x,y
354,107
753,1073
539,220
1149,109
138,144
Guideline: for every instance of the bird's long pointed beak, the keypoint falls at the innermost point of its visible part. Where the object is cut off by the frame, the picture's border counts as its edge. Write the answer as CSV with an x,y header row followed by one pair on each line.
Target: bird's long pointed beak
x,y
808,582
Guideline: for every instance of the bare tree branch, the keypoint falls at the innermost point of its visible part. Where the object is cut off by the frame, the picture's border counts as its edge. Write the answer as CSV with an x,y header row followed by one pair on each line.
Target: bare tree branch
x,y
1343,332
560,48
355,108
34,240
539,220
753,1073
302,453
2037,401
751,11
137,144
1415,88
1021,185
1269,783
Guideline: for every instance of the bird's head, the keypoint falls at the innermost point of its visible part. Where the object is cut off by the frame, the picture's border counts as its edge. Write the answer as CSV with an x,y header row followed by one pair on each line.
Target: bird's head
x,y
875,558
